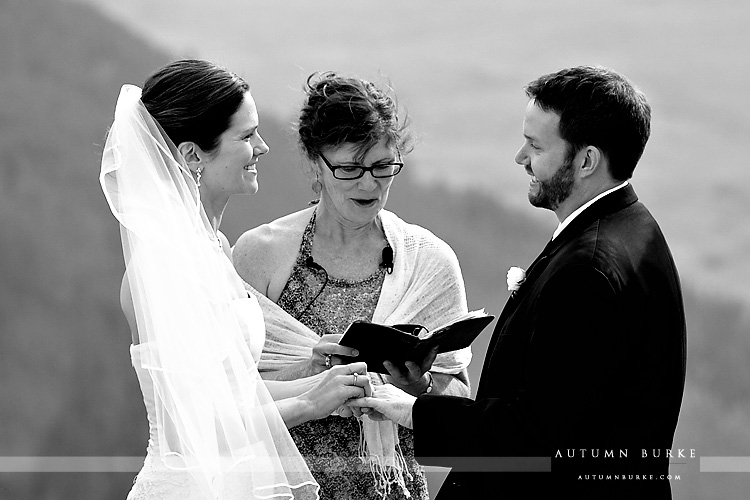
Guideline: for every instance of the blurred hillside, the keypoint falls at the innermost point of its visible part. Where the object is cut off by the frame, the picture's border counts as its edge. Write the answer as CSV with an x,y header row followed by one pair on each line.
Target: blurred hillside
x,y
460,67
67,385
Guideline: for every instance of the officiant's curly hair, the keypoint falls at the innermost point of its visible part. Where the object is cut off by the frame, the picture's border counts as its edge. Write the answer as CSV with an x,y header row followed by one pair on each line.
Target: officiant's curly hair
x,y
597,107
346,110
194,100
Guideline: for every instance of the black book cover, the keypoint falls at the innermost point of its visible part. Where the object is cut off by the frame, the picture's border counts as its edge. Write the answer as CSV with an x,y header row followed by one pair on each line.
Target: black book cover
x,y
400,343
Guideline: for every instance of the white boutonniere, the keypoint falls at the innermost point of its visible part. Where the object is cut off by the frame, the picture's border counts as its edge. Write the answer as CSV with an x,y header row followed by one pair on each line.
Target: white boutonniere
x,y
516,277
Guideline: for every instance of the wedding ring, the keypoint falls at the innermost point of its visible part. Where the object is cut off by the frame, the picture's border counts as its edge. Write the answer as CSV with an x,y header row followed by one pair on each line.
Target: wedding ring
x,y
328,360
355,378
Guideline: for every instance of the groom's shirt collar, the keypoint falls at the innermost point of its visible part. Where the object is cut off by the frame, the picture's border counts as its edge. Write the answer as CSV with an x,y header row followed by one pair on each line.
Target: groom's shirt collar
x,y
583,207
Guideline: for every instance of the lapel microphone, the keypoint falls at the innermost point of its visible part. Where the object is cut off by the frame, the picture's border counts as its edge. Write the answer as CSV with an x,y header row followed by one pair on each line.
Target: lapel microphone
x,y
387,262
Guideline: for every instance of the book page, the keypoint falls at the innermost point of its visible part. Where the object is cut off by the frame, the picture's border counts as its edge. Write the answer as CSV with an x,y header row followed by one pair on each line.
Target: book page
x,y
469,315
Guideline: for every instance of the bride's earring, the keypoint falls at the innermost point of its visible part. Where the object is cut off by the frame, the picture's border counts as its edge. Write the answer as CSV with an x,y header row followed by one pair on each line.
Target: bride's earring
x,y
198,175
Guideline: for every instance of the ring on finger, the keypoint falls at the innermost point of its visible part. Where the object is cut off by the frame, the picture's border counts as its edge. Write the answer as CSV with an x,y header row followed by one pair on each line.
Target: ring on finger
x,y
355,378
328,360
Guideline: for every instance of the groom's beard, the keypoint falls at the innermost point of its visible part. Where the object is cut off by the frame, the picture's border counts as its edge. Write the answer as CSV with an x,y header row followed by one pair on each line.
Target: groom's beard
x,y
555,190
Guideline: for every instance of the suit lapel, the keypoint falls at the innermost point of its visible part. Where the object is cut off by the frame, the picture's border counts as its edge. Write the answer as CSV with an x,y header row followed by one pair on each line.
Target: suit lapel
x,y
510,307
607,205
538,263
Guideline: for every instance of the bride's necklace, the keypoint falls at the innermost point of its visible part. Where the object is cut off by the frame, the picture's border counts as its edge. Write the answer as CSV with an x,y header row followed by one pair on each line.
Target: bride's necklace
x,y
213,235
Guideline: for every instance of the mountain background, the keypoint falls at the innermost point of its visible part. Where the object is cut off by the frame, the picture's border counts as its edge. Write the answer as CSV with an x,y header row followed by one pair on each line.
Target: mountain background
x,y
67,387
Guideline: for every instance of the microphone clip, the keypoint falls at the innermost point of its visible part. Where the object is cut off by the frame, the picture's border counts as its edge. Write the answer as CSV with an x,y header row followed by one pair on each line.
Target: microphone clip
x,y
387,262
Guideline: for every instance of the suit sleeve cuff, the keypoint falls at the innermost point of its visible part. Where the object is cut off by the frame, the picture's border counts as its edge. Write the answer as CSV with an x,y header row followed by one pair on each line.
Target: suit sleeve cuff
x,y
439,430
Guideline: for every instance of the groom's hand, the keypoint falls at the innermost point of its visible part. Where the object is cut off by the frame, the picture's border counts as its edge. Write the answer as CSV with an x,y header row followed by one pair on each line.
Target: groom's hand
x,y
389,401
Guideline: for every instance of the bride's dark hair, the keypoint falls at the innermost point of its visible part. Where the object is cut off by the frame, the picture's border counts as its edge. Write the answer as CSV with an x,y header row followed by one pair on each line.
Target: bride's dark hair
x,y
194,100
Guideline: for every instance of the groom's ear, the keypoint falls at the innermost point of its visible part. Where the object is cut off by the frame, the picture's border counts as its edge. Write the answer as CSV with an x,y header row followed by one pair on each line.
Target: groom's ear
x,y
591,161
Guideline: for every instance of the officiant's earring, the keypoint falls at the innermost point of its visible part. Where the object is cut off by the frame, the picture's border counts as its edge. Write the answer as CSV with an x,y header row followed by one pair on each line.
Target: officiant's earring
x,y
198,175
317,187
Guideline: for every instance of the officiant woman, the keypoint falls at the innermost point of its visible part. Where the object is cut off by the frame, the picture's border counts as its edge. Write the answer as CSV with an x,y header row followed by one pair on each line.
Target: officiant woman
x,y
347,258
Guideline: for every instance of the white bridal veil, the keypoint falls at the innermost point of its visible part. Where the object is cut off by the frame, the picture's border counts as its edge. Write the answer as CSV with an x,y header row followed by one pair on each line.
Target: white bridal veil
x,y
214,415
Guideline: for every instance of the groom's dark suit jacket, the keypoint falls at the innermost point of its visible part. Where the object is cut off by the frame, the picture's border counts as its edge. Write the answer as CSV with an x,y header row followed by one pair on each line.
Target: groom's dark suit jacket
x,y
587,359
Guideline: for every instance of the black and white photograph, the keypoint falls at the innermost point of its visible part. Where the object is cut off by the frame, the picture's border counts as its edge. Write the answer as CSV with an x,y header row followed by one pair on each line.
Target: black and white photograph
x,y
333,250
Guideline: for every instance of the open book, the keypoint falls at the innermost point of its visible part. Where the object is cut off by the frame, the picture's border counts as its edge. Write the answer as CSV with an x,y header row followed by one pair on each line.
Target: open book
x,y
400,343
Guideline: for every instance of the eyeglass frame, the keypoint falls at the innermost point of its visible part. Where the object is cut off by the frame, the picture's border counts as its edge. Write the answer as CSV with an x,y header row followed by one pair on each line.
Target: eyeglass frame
x,y
363,169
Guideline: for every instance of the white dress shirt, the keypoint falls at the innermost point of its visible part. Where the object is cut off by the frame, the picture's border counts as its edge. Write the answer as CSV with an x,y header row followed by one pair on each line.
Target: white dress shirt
x,y
583,207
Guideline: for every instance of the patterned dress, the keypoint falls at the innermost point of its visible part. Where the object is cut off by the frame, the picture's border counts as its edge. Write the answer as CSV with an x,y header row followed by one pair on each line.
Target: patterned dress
x,y
331,445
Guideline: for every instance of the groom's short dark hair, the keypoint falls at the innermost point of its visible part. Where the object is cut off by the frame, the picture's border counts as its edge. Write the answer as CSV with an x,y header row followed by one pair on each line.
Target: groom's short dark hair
x,y
597,107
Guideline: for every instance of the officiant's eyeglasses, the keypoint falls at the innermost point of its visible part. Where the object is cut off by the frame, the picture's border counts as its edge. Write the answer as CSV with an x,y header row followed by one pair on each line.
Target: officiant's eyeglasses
x,y
351,172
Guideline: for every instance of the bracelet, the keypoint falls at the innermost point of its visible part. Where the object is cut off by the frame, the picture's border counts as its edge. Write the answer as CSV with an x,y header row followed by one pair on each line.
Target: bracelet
x,y
428,389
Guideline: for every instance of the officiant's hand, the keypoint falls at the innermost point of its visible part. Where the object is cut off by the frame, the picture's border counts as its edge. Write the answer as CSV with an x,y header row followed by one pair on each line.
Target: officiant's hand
x,y
411,377
327,352
390,402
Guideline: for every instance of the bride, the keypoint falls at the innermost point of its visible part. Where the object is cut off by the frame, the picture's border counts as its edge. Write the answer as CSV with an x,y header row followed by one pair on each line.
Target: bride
x,y
176,151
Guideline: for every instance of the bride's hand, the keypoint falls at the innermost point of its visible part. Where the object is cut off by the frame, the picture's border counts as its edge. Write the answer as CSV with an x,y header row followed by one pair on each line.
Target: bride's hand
x,y
339,385
327,352
389,401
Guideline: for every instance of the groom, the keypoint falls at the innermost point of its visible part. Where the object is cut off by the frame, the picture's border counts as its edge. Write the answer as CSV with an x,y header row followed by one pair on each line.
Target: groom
x,y
583,380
